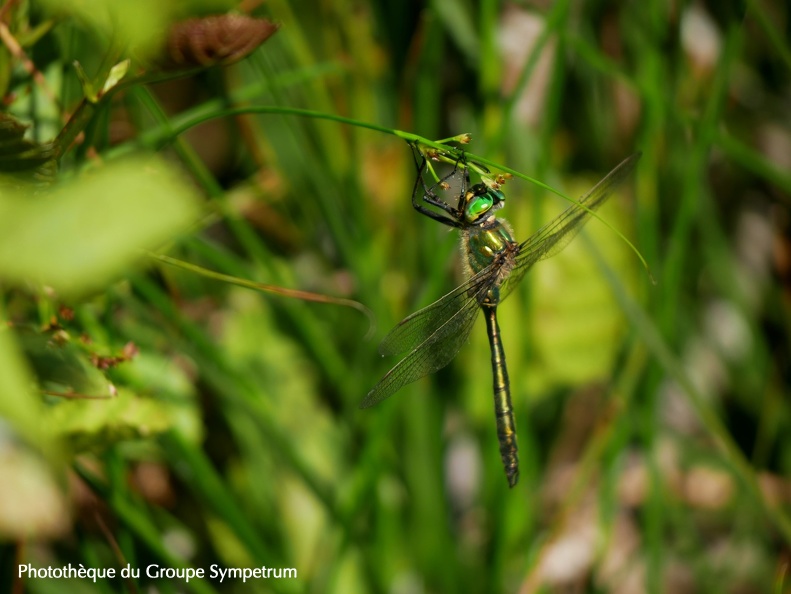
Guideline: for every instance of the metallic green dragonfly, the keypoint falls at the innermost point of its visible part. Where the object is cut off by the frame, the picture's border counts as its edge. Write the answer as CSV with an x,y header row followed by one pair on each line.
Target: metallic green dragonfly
x,y
494,264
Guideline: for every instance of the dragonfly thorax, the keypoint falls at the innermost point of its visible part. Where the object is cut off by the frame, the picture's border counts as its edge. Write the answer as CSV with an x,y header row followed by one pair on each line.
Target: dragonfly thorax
x,y
480,202
483,244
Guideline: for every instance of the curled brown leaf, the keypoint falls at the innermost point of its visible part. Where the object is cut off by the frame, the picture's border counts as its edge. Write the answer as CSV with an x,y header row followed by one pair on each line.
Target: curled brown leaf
x,y
218,39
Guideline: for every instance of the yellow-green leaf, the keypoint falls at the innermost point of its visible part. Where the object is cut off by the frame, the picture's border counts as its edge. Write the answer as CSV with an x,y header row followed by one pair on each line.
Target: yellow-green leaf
x,y
80,236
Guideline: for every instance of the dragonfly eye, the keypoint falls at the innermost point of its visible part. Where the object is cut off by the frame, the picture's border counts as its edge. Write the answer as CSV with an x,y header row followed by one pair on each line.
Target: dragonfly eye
x,y
477,207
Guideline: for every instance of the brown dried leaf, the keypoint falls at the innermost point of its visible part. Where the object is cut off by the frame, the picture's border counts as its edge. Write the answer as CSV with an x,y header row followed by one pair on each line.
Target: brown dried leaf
x,y
219,39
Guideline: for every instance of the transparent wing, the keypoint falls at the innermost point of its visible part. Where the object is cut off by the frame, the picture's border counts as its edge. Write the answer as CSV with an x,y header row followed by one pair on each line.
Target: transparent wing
x,y
434,321
556,235
434,335
437,350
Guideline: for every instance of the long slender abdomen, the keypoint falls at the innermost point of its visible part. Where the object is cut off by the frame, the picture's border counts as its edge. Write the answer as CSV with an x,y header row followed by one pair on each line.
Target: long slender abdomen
x,y
504,414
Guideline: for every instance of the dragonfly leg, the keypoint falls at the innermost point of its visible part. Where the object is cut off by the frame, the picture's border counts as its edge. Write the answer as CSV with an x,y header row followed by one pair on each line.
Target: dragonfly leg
x,y
450,215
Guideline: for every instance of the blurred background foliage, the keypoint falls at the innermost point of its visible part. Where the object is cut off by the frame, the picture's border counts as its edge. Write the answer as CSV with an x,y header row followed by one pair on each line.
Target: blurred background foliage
x,y
157,414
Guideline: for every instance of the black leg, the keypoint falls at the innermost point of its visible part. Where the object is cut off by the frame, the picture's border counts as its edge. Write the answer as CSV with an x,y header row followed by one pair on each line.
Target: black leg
x,y
450,216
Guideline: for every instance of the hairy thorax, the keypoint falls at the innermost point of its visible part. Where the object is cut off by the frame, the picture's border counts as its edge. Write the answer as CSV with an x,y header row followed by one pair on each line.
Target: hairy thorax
x,y
485,244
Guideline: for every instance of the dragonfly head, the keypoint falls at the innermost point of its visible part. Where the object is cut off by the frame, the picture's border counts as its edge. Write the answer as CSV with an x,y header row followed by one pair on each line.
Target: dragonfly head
x,y
480,202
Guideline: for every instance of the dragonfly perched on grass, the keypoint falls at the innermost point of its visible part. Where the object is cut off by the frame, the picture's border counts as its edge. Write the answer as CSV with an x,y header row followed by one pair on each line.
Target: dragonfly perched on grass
x,y
494,264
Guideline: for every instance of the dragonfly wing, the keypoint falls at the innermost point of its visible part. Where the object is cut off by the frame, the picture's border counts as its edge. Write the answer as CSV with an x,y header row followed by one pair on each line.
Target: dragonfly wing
x,y
432,322
434,353
556,235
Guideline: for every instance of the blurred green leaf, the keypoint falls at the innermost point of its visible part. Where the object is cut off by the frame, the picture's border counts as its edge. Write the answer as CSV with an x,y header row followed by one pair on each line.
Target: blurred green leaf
x,y
138,27
575,320
87,85
24,158
96,424
117,73
64,365
79,236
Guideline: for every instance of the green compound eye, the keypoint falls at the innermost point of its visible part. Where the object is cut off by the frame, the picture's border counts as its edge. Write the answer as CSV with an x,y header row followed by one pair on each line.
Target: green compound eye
x,y
479,206
497,194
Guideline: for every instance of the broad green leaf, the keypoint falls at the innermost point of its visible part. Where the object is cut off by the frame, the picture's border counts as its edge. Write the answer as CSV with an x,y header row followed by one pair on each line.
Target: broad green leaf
x,y
138,26
576,323
79,236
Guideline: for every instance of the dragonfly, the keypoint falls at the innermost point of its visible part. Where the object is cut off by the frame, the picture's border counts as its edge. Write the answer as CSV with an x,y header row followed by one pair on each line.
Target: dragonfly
x,y
494,264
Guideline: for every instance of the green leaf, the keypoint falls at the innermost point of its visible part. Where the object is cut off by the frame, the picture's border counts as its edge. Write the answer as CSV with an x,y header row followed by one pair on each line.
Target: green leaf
x,y
117,73
62,366
21,158
80,236
138,26
96,424
576,323
85,81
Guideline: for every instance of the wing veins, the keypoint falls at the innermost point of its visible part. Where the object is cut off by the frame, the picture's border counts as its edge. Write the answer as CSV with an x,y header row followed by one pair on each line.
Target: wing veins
x,y
406,335
553,237
431,355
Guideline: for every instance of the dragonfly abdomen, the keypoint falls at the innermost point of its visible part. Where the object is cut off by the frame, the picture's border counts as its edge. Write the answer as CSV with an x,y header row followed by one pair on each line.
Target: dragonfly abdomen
x,y
503,411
